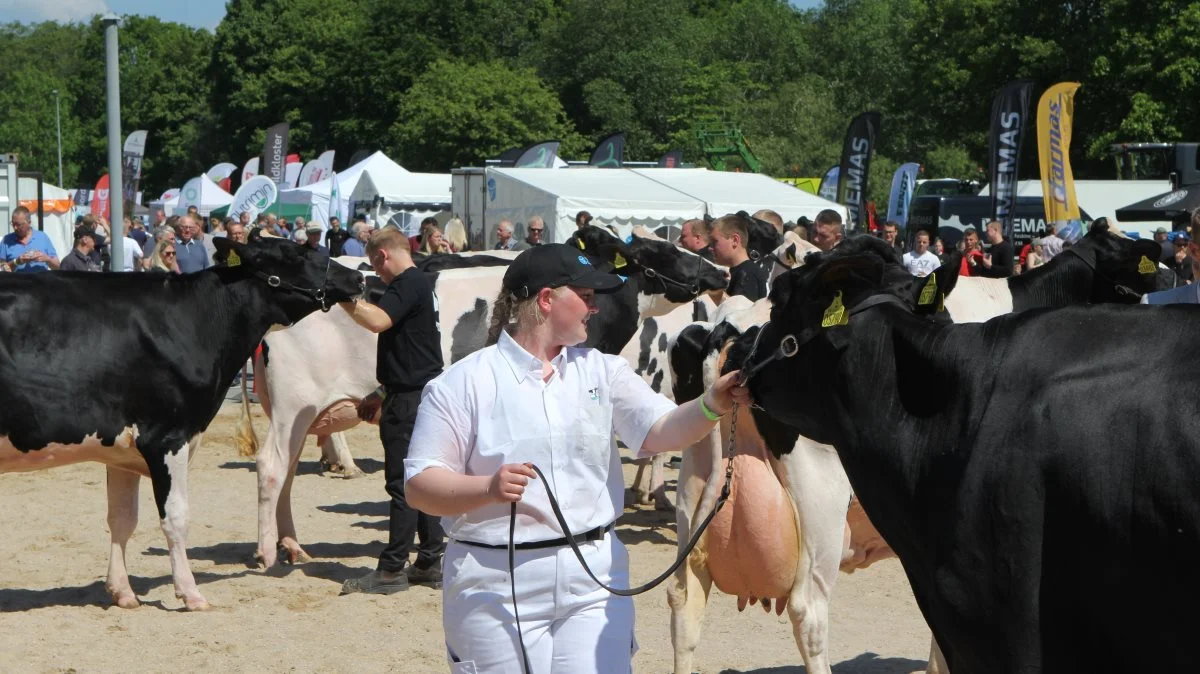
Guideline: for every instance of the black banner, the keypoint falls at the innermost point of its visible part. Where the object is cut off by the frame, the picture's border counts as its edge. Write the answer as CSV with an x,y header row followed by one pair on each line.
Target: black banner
x,y
610,152
856,166
275,149
1010,109
541,155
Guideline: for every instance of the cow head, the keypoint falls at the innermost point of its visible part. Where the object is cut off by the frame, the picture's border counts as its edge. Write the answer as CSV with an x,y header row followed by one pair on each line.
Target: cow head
x,y
1120,263
300,278
661,267
811,305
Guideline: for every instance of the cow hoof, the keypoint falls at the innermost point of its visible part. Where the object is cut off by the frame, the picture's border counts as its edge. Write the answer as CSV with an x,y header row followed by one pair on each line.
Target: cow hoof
x,y
125,599
291,553
260,562
196,603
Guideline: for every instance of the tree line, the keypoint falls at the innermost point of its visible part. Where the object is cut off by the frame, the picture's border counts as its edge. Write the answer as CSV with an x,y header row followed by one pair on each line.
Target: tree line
x,y
443,83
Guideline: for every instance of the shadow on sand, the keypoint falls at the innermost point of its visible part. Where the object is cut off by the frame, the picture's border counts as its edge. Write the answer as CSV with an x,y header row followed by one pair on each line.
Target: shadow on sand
x,y
866,663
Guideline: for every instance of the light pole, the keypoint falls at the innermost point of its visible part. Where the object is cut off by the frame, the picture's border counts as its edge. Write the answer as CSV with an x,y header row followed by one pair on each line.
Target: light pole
x,y
116,198
58,129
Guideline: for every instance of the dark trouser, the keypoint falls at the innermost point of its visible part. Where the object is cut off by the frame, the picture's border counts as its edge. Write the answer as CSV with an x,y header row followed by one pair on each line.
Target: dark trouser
x,y
395,431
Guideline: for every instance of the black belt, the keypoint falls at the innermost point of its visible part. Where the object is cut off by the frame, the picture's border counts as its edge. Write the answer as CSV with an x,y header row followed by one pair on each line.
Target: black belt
x,y
586,537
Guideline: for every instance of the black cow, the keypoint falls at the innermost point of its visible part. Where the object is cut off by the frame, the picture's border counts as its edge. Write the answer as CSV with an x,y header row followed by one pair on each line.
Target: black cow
x,y
129,369
1035,477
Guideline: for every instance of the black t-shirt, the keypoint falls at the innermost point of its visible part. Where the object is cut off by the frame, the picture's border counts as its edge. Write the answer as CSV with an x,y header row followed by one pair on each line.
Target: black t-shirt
x,y
335,239
749,280
1002,261
409,352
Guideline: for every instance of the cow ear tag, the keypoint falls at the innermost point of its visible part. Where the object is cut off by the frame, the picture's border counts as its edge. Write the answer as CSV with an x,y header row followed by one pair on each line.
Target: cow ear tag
x,y
619,262
233,260
835,314
941,302
1145,266
929,292
580,242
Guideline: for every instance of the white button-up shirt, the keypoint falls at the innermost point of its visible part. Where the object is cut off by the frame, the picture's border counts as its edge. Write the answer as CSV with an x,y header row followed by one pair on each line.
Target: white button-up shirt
x,y
493,408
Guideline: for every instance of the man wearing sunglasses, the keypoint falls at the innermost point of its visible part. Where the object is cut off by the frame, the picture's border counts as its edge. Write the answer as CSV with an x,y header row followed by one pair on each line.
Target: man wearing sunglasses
x,y
534,231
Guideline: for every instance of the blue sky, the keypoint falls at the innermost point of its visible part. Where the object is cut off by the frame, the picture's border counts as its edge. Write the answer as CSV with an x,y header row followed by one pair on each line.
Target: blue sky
x,y
200,13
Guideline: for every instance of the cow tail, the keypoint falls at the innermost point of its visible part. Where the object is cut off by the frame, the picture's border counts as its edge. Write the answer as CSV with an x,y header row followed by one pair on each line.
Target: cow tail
x,y
247,439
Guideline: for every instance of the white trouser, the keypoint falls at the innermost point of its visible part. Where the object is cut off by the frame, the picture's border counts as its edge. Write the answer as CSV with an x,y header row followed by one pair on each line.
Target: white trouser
x,y
570,624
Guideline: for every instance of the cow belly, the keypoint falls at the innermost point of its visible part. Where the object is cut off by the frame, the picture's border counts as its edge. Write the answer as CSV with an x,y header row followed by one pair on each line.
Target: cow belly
x,y
338,417
753,543
120,454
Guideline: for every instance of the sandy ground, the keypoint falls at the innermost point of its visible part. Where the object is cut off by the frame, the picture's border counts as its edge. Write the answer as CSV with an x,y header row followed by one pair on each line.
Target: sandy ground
x,y
55,614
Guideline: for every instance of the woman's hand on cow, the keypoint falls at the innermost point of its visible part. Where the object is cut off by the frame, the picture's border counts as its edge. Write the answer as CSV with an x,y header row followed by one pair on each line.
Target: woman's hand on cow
x,y
369,407
725,392
508,484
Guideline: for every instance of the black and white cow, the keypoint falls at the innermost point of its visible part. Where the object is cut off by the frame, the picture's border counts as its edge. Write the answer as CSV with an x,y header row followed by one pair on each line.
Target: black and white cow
x,y
305,396
1103,267
72,340
1036,474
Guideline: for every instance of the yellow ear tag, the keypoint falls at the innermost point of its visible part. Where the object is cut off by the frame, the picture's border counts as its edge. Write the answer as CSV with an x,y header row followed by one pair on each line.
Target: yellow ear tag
x,y
1145,266
619,262
941,303
580,242
929,292
835,314
233,260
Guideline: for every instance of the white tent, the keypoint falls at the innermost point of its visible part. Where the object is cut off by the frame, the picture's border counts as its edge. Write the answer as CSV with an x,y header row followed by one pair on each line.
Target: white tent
x,y
58,208
1102,198
200,192
316,195
407,198
616,197
167,207
725,192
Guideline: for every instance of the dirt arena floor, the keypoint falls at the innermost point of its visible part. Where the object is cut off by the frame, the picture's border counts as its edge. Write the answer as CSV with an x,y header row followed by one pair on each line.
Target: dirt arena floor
x,y
55,614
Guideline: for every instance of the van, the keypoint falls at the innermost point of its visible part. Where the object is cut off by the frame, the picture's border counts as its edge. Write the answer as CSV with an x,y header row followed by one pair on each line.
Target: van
x,y
948,216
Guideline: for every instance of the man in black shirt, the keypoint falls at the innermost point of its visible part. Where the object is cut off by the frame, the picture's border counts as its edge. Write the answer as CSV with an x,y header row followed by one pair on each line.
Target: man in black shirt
x,y
999,262
729,236
335,237
409,355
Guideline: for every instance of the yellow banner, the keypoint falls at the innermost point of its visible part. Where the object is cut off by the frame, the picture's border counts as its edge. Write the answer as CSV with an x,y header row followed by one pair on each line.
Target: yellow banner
x,y
1055,111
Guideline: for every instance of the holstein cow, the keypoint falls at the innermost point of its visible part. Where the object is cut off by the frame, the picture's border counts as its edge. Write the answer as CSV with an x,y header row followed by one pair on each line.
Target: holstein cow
x,y
1103,267
68,396
990,456
311,389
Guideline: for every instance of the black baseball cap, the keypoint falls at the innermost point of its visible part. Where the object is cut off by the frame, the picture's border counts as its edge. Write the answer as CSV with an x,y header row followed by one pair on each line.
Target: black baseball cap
x,y
554,265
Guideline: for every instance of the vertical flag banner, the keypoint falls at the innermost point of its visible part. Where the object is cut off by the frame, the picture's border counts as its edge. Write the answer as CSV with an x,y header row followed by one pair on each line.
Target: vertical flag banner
x,y
856,166
220,174
541,155
131,166
322,168
100,197
904,183
250,169
335,199
1010,110
254,196
306,174
610,152
1054,114
829,183
291,171
275,153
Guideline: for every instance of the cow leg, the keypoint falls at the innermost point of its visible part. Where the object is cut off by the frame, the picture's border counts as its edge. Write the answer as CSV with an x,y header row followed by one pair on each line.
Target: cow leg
x,y
641,495
687,595
287,526
122,521
820,491
658,483
937,661
336,457
168,475
276,463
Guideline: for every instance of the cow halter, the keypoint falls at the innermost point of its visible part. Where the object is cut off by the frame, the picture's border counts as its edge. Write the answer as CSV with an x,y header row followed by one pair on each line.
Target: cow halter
x,y
317,294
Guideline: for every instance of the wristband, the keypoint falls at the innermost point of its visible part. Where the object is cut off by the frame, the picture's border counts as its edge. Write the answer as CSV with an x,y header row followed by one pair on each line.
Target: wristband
x,y
709,414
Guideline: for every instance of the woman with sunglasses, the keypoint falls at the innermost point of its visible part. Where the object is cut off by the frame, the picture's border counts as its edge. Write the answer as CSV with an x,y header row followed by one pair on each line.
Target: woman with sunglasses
x,y
163,258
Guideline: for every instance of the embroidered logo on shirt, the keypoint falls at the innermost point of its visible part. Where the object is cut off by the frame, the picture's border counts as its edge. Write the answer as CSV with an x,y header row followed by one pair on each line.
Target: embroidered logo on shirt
x,y
584,260
595,392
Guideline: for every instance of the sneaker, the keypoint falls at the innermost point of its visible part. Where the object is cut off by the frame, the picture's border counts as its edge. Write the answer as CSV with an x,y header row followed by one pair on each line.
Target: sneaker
x,y
373,583
430,575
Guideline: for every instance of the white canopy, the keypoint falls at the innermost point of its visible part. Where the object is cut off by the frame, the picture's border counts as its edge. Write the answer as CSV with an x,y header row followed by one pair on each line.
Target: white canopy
x,y
725,192
618,197
408,197
316,195
58,208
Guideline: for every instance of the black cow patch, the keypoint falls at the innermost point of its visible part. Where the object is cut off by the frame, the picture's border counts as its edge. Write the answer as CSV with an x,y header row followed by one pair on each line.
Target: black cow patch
x,y
645,343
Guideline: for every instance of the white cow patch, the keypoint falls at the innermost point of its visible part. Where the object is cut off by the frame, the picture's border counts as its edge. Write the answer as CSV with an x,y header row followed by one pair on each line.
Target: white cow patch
x,y
121,454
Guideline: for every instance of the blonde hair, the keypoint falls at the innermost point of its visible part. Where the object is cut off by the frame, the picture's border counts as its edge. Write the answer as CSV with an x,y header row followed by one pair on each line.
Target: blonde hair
x,y
426,236
456,235
729,225
156,259
389,238
516,315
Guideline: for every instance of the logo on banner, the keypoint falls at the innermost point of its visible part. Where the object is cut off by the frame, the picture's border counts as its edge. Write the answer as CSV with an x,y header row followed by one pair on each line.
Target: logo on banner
x,y
1171,198
102,195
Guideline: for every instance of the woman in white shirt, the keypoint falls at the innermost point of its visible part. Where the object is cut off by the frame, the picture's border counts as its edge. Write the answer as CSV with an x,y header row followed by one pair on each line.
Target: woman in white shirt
x,y
533,398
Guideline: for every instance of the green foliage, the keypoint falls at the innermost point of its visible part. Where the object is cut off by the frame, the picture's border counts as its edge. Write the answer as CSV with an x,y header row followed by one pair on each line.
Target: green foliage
x,y
442,83
459,114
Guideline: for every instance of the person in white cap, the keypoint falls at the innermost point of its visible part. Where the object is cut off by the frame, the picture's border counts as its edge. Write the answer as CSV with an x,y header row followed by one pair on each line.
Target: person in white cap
x,y
534,398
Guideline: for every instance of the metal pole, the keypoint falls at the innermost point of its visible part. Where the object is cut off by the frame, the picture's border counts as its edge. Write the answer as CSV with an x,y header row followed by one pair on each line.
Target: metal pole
x,y
58,129
116,198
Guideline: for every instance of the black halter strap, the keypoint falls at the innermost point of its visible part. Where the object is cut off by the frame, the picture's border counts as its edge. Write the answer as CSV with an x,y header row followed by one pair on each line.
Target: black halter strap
x,y
317,294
